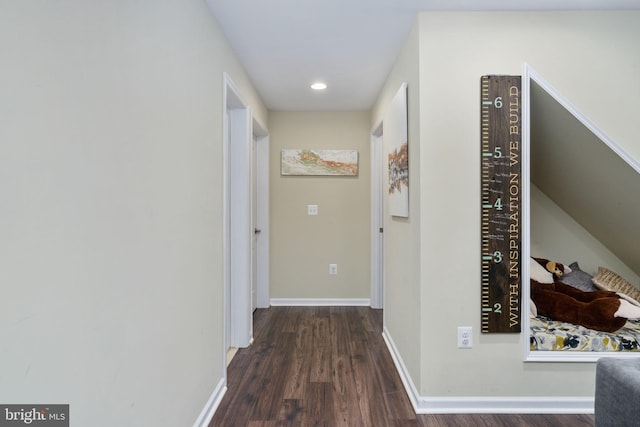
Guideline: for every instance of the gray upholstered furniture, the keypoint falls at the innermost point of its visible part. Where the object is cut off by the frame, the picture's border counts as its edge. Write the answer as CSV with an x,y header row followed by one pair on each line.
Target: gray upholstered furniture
x,y
617,401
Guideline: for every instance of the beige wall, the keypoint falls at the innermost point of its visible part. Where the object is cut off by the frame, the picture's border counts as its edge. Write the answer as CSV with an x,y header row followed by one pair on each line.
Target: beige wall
x,y
402,296
303,246
111,219
591,58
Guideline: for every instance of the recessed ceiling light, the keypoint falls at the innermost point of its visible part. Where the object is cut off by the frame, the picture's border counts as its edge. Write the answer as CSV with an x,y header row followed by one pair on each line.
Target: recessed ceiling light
x,y
319,86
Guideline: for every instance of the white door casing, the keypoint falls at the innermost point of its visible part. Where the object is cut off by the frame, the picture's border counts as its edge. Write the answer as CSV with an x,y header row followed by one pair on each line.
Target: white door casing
x,y
377,217
261,210
254,224
236,217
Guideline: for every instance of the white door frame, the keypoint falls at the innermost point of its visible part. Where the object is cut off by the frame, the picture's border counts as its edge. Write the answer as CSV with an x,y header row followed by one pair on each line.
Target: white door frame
x,y
261,137
377,217
236,166
254,223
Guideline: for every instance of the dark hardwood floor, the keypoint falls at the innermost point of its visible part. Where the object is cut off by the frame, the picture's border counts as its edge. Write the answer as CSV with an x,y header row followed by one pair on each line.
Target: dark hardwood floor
x,y
329,366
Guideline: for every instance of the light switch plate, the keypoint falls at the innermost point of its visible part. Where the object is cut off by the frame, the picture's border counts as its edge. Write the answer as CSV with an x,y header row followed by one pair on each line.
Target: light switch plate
x,y
312,209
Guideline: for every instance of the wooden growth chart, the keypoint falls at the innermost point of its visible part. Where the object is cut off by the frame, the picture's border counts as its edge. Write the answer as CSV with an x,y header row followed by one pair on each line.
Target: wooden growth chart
x,y
501,139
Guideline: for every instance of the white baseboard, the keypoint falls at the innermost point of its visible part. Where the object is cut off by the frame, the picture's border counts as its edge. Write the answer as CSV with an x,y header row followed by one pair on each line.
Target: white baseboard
x,y
409,386
484,405
212,404
505,405
310,302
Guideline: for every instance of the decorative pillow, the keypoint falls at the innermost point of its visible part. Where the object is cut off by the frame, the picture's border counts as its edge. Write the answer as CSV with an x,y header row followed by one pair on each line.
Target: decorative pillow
x,y
611,281
533,310
538,273
578,279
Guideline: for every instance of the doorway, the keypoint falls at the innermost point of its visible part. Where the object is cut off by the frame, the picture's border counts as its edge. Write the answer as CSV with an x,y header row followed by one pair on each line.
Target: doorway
x,y
377,217
236,220
260,217
245,219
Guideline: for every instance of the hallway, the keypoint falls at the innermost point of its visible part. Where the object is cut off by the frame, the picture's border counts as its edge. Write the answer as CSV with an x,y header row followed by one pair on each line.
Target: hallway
x,y
329,366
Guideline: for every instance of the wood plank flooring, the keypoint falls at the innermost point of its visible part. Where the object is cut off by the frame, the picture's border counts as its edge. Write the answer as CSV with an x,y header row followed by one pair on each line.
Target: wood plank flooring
x,y
329,366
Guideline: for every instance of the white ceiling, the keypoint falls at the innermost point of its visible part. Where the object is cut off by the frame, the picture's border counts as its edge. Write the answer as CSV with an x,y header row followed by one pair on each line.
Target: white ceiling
x,y
285,45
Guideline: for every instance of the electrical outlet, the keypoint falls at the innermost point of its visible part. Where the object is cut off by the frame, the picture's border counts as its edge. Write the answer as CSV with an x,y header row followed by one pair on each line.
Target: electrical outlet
x,y
333,269
465,337
312,209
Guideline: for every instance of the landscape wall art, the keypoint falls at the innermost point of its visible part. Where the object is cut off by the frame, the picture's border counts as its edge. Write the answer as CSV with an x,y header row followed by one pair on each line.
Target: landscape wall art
x,y
396,136
319,162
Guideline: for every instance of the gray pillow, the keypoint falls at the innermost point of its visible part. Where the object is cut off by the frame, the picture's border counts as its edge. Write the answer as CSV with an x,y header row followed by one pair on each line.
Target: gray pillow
x,y
578,279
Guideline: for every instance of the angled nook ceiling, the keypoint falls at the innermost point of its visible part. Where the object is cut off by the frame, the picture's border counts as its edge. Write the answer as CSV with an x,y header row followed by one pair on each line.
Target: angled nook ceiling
x,y
584,177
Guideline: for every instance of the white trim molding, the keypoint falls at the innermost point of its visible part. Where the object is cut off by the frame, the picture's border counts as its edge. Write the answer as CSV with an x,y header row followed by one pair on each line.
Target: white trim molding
x,y
575,356
261,181
311,302
506,405
377,217
409,386
535,355
482,404
212,404
237,134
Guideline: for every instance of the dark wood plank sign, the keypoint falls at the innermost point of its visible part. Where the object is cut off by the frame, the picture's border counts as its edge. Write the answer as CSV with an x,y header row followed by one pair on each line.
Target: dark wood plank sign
x,y
501,139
